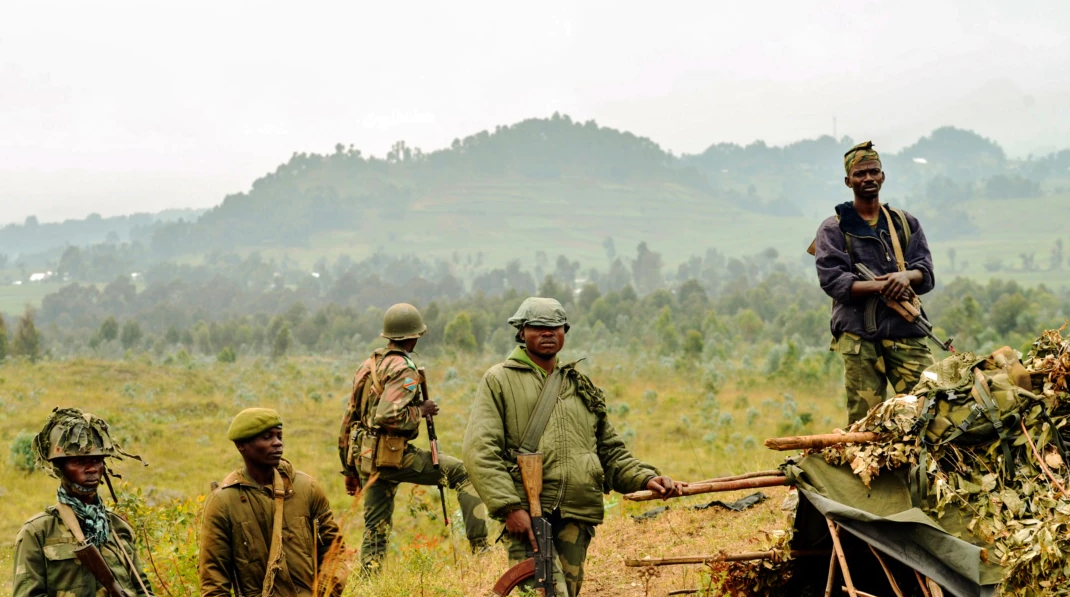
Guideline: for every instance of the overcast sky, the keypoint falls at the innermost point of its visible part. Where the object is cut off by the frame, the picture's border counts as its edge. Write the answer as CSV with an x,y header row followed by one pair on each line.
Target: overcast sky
x,y
116,107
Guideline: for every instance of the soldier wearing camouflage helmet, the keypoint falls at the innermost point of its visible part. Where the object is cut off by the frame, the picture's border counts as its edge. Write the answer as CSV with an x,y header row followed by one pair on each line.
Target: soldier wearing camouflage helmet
x,y
73,447
879,347
383,417
583,456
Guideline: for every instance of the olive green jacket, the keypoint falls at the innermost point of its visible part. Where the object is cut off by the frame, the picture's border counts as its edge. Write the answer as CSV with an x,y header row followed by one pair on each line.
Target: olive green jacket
x,y
236,534
45,564
583,456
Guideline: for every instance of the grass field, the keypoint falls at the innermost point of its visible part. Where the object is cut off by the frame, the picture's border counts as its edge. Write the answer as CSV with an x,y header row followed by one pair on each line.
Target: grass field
x,y
176,417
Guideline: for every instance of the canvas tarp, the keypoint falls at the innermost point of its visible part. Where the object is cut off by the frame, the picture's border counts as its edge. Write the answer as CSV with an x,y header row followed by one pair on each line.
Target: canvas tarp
x,y
883,516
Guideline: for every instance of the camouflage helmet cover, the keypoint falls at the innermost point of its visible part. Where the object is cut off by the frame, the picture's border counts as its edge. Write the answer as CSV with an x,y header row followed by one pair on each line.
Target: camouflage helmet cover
x,y
403,322
539,311
70,433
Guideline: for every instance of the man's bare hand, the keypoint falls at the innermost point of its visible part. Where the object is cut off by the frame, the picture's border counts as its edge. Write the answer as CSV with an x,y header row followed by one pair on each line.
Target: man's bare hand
x,y
428,408
896,285
518,522
666,487
352,485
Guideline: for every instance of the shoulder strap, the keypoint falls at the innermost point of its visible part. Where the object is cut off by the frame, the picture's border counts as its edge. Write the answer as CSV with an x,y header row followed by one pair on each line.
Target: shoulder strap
x,y
274,563
376,384
529,440
903,223
66,514
899,261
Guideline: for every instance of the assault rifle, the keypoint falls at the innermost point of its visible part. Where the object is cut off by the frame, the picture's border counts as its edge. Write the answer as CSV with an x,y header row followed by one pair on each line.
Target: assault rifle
x,y
541,566
432,439
906,309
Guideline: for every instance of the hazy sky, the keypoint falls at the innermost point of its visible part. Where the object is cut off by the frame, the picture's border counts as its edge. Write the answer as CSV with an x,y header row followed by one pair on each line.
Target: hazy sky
x,y
115,107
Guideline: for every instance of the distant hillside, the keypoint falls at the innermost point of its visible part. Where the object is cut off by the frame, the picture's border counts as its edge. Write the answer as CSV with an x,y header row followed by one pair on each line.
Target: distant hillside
x,y
34,237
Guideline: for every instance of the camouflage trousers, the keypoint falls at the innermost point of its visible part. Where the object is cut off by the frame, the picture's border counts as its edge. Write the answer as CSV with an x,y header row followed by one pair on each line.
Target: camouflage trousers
x,y
571,539
418,469
870,366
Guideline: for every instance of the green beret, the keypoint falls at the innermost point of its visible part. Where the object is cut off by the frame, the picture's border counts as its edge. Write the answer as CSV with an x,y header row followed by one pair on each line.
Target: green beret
x,y
863,152
252,422
543,312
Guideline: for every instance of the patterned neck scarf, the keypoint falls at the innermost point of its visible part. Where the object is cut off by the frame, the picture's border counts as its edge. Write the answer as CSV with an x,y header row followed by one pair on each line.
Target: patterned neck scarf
x,y
92,517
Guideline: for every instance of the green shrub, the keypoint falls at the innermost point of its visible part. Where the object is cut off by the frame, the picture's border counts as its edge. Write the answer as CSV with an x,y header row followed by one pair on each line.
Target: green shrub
x,y
21,456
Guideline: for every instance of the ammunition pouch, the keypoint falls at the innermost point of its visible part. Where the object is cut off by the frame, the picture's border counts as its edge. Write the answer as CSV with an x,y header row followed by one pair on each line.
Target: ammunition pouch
x,y
390,451
366,458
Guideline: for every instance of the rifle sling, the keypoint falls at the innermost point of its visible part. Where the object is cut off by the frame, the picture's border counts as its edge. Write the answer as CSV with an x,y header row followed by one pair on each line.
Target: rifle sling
x,y
529,440
274,563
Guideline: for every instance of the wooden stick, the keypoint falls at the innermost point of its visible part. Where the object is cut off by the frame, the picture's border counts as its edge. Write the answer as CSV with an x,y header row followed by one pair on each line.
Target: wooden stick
x,y
835,533
646,495
921,583
1040,460
856,592
817,442
832,575
887,572
773,473
719,557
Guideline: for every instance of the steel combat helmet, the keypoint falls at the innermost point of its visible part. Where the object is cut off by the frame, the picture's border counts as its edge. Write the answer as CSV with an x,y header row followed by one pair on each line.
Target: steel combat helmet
x,y
403,322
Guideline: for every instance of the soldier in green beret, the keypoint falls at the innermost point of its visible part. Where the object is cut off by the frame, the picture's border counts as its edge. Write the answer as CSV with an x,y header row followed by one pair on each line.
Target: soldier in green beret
x,y
268,529
880,349
583,455
383,417
51,546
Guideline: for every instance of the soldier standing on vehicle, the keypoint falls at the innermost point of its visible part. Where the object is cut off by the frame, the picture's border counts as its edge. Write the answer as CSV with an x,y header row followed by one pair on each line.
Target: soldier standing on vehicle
x,y
383,417
77,547
582,454
878,346
268,529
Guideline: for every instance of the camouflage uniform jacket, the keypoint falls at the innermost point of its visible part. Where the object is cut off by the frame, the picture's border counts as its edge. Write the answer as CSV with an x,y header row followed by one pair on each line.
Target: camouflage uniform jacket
x,y
583,455
393,410
45,564
236,533
867,317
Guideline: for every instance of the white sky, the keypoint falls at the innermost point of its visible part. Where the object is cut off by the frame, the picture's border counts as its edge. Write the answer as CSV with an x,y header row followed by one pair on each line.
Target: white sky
x,y
115,107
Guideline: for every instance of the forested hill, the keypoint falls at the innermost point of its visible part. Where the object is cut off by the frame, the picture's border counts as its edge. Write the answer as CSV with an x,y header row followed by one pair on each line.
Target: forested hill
x,y
563,186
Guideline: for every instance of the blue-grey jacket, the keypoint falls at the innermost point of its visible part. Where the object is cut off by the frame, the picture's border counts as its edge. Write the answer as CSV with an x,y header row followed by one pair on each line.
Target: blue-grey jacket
x,y
868,317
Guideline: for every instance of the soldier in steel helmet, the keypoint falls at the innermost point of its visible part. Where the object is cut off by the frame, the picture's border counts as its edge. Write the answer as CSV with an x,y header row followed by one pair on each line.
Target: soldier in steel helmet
x,y
267,531
383,417
583,455
50,547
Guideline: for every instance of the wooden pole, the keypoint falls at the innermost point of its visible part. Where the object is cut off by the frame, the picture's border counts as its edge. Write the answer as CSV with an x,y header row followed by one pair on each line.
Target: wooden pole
x,y
647,495
887,572
817,442
719,557
835,533
832,575
773,473
856,592
922,584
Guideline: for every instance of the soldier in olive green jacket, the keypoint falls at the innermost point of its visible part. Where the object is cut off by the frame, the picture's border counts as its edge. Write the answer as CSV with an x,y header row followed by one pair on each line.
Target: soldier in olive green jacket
x,y
73,446
583,456
238,538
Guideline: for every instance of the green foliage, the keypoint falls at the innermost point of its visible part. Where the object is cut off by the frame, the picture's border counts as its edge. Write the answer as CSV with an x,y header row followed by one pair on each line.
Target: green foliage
x,y
227,355
22,456
3,339
459,334
109,329
27,340
130,335
281,343
693,344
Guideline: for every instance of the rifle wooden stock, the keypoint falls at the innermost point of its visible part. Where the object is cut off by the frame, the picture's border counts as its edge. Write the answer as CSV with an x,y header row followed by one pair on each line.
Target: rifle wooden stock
x,y
647,495
531,474
91,558
514,576
720,557
817,442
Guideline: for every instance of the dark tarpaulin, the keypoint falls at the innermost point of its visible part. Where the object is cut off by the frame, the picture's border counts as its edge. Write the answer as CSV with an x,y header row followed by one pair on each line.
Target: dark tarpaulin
x,y
883,516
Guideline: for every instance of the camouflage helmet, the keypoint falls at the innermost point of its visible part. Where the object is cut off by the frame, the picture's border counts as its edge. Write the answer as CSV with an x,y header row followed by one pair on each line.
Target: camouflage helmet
x,y
403,322
71,433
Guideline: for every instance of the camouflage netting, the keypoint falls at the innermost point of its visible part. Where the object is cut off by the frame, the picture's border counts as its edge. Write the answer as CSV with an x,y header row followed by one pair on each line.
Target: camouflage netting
x,y
1019,511
70,432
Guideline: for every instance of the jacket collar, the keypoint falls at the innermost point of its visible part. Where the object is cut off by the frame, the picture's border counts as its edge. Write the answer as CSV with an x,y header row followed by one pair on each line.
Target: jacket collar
x,y
238,478
519,359
853,224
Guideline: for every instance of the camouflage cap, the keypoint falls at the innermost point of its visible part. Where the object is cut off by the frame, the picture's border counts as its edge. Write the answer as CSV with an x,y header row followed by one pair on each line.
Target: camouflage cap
x,y
863,152
535,310
69,432
252,422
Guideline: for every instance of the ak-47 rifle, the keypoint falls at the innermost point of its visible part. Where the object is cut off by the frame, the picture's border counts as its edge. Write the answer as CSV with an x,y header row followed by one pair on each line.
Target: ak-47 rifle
x,y
907,310
89,555
541,566
432,439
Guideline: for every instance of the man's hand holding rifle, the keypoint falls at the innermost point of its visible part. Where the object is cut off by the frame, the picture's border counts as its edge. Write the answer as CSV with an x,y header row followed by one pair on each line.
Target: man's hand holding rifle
x,y
899,298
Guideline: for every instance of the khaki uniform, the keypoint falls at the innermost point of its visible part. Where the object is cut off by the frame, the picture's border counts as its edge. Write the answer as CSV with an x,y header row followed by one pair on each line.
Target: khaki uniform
x,y
583,458
236,537
394,412
45,564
